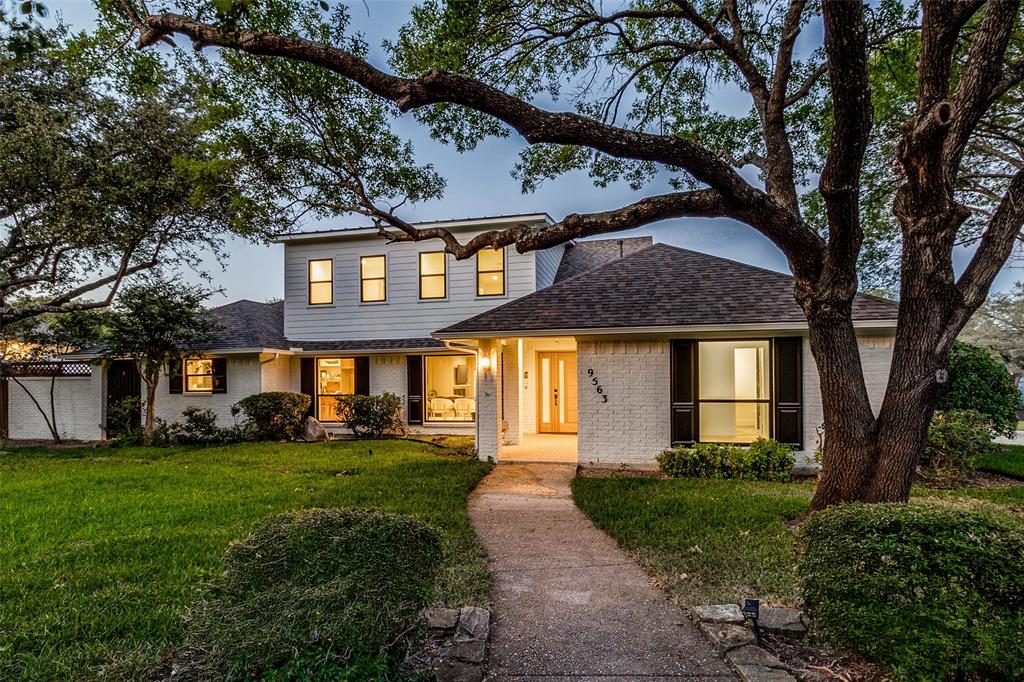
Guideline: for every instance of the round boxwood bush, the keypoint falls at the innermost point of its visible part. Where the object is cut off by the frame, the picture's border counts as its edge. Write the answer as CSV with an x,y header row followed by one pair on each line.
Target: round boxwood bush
x,y
326,591
931,590
978,381
274,415
764,460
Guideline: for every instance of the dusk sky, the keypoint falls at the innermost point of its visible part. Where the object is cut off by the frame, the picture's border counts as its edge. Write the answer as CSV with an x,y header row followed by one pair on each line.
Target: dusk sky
x,y
480,184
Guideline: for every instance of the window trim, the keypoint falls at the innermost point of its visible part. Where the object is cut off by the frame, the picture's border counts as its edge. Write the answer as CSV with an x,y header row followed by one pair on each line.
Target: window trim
x,y
316,382
310,282
503,271
769,401
444,275
362,279
425,398
185,374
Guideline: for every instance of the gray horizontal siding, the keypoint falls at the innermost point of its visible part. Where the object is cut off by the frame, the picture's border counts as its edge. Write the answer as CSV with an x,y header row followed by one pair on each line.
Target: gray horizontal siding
x,y
403,315
547,265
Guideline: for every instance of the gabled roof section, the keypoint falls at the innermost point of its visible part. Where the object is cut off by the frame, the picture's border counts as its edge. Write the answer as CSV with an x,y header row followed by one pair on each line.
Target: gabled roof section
x,y
248,324
660,286
581,256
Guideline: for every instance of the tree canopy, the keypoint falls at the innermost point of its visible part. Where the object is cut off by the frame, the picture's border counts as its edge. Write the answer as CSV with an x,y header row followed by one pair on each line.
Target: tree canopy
x,y
107,168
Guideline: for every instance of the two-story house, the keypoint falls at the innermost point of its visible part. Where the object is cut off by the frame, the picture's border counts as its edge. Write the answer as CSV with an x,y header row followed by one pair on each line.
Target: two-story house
x,y
603,351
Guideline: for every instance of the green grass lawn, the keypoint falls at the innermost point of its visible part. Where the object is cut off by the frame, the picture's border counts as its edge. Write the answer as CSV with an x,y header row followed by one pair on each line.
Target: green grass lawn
x,y
101,550
1004,459
709,541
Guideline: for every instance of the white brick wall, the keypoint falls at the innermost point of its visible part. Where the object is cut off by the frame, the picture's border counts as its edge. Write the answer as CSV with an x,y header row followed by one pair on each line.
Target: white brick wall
x,y
875,359
280,374
243,377
633,426
79,403
389,374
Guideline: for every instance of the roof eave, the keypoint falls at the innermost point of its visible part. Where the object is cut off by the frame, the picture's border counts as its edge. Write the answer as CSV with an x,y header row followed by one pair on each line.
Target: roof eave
x,y
860,325
459,225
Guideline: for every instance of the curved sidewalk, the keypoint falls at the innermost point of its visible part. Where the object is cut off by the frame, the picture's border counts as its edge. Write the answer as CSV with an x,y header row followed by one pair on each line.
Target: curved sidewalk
x,y
569,604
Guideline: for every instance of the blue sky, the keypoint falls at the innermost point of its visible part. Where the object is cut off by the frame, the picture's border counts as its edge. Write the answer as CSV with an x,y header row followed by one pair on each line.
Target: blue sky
x,y
480,183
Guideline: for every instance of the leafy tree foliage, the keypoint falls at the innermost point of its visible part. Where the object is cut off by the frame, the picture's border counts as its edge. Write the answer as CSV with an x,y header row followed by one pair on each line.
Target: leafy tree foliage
x,y
105,171
153,322
978,381
903,117
998,326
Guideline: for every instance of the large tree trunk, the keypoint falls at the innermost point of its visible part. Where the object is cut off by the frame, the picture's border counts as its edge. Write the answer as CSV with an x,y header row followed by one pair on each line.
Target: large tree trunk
x,y
850,441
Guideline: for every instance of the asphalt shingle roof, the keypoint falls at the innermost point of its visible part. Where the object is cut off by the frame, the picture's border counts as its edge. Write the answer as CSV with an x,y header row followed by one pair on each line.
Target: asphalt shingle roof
x,y
579,257
660,286
248,324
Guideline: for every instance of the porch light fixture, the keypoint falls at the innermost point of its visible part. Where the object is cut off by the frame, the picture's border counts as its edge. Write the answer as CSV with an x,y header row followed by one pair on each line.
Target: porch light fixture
x,y
485,363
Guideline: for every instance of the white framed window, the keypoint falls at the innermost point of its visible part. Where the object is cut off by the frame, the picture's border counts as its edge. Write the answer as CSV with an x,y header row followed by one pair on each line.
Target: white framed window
x,y
490,272
321,281
450,386
373,279
433,274
198,375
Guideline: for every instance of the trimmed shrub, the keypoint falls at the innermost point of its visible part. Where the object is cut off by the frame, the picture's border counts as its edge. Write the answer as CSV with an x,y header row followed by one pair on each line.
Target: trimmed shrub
x,y
274,415
318,592
978,381
931,590
199,427
371,415
765,460
955,440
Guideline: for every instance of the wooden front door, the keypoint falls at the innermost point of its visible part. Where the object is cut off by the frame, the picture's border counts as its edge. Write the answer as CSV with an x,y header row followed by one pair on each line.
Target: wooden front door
x,y
557,402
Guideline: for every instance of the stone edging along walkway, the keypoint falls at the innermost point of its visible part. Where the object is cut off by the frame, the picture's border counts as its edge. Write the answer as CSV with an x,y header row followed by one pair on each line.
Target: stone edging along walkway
x,y
568,603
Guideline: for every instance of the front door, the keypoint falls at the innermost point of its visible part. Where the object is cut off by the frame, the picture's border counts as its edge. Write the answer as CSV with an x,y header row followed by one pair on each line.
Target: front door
x,y
556,399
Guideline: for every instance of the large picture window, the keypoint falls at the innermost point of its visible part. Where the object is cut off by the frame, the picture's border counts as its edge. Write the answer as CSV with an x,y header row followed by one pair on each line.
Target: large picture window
x,y
733,390
321,281
199,375
450,388
490,272
335,376
433,272
373,279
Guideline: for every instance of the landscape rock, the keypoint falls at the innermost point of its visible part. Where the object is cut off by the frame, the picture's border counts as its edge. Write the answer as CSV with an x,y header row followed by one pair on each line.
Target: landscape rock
x,y
470,652
441,619
474,623
727,636
758,673
753,656
782,621
718,613
458,671
314,431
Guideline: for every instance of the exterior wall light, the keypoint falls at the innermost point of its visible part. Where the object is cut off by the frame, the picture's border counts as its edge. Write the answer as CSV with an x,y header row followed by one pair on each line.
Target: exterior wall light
x,y
485,363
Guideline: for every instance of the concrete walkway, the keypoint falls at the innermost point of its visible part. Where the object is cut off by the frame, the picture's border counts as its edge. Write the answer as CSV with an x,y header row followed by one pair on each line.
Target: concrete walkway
x,y
569,604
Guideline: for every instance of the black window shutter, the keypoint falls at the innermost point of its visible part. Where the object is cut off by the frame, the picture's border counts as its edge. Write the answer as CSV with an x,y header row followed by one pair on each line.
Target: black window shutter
x,y
362,376
307,382
414,364
220,375
788,391
684,398
175,380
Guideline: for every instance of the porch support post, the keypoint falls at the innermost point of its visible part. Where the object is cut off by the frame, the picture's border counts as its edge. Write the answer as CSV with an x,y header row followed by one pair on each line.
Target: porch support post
x,y
511,389
488,400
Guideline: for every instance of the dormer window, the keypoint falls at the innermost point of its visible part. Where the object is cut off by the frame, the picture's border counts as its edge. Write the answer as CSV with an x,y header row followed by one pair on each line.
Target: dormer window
x,y
373,279
433,273
321,281
490,272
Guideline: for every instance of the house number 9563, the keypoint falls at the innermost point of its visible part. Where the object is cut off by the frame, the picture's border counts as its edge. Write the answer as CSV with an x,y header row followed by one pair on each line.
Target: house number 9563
x,y
597,386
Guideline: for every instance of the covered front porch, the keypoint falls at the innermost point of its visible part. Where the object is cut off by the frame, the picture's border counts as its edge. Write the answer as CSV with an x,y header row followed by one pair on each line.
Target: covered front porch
x,y
528,392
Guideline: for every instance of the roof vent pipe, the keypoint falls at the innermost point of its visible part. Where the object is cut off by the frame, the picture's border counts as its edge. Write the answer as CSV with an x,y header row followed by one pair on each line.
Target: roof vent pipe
x,y
620,248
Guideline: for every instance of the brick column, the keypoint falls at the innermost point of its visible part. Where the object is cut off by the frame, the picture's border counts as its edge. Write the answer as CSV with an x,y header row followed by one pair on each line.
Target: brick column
x,y
510,390
488,400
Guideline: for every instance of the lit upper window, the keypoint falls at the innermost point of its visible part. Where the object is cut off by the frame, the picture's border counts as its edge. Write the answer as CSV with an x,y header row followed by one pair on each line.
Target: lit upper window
x,y
199,375
373,279
490,272
432,274
321,281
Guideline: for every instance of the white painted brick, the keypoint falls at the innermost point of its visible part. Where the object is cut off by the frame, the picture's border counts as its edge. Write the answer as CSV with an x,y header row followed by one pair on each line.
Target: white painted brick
x,y
79,407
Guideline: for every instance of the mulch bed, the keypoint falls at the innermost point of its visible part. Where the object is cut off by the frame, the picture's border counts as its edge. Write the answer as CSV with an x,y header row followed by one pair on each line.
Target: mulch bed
x,y
810,664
